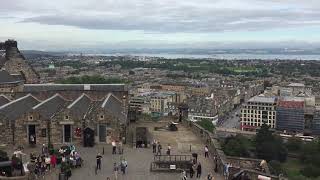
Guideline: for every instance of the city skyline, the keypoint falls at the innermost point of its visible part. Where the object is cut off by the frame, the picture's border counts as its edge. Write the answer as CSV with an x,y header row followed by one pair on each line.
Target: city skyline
x,y
120,24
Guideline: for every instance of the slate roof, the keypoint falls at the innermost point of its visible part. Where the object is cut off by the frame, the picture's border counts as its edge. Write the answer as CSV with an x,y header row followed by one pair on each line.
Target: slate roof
x,y
74,87
114,106
3,100
80,106
49,107
262,99
16,108
6,78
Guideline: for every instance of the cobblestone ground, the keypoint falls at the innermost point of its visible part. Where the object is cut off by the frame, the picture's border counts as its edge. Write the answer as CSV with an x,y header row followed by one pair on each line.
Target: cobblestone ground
x,y
139,160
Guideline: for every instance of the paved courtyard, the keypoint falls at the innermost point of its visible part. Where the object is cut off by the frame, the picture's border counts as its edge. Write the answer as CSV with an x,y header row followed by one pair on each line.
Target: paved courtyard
x,y
139,160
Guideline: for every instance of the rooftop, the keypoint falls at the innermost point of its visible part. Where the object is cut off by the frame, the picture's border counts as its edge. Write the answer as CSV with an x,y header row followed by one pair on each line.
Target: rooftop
x,y
16,108
296,85
3,100
291,104
74,87
80,106
262,99
6,78
50,106
114,105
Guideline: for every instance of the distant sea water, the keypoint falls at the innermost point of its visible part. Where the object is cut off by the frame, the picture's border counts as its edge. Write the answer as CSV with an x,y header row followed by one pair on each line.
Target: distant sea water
x,y
221,56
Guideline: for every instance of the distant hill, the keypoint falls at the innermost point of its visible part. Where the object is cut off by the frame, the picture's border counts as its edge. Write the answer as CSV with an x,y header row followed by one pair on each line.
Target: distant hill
x,y
35,53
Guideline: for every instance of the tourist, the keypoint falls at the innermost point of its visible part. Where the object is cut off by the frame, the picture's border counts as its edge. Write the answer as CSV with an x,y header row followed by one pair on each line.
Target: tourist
x,y
154,146
184,175
199,170
206,151
191,171
123,166
215,159
226,170
114,147
53,160
47,160
168,149
32,140
115,171
43,169
120,147
209,177
159,149
99,157
44,149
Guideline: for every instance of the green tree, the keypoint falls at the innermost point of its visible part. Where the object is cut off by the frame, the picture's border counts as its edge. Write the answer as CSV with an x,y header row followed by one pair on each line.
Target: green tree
x,y
311,171
275,167
294,144
236,146
95,79
269,146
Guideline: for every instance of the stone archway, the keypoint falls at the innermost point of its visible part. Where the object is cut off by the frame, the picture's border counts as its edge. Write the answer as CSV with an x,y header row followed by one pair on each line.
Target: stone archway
x,y
88,137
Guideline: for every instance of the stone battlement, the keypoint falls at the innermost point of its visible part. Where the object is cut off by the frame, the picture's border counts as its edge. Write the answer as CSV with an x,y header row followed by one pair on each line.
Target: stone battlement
x,y
10,43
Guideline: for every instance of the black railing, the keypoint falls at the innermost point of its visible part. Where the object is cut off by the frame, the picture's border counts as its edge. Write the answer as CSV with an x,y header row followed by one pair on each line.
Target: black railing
x,y
172,158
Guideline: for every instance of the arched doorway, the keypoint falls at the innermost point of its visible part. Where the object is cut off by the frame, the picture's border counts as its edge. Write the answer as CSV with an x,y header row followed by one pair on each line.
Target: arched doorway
x,y
88,137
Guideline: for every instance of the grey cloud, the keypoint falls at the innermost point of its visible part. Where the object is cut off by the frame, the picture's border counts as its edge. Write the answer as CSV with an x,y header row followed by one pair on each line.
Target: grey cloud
x,y
189,21
168,16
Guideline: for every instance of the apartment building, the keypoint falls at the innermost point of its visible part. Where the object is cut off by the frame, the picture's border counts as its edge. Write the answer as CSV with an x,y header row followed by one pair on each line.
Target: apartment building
x,y
258,110
159,102
290,114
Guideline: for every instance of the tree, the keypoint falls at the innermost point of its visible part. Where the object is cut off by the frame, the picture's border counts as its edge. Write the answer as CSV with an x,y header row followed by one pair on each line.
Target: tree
x,y
311,171
96,79
236,146
294,144
269,146
275,167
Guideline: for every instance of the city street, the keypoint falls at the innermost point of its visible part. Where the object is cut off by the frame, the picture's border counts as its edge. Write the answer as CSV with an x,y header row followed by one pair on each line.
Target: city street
x,y
232,121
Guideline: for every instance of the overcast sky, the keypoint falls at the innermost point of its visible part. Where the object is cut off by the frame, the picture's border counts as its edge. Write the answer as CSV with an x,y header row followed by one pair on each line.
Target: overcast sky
x,y
74,24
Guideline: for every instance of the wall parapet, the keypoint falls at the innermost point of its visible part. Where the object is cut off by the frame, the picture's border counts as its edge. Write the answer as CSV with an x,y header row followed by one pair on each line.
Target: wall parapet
x,y
211,140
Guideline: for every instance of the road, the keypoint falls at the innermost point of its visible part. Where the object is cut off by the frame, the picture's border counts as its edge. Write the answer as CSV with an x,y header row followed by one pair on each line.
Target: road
x,y
232,121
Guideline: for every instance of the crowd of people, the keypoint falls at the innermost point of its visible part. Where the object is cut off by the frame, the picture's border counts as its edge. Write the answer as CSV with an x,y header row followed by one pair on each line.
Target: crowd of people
x,y
46,161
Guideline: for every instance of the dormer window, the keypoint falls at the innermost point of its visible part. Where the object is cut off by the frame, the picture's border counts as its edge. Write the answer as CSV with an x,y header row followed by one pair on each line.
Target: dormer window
x,y
66,117
30,118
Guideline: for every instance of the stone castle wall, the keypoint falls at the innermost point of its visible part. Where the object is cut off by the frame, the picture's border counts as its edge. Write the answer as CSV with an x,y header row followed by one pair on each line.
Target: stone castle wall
x,y
15,62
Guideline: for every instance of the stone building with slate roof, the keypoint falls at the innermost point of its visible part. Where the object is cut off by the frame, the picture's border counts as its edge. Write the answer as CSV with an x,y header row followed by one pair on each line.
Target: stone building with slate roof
x,y
10,83
9,118
4,100
15,63
27,121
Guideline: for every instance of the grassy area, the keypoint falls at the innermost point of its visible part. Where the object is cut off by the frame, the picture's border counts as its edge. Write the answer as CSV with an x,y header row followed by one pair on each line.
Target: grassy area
x,y
243,69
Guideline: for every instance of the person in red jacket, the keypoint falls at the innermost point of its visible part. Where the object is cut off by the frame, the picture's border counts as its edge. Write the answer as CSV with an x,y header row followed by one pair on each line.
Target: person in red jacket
x,y
53,161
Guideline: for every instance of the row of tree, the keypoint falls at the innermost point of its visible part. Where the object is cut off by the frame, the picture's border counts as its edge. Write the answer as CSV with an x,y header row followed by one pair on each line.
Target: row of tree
x,y
266,145
95,79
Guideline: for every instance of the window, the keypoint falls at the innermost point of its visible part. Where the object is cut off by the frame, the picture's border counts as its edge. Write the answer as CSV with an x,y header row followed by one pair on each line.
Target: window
x,y
30,118
101,116
44,132
66,117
